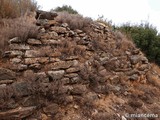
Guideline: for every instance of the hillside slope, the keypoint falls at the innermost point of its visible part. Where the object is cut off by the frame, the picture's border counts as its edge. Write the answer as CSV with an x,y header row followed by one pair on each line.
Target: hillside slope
x,y
74,74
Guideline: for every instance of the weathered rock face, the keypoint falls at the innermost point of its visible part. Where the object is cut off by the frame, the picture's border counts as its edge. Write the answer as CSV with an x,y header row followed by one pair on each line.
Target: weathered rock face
x,y
71,74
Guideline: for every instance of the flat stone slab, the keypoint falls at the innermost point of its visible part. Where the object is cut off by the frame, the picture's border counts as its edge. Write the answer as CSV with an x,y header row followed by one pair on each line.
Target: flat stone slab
x,y
51,42
15,40
36,60
17,113
51,109
13,53
72,70
55,75
19,47
40,14
58,29
34,42
6,81
38,53
60,65
18,67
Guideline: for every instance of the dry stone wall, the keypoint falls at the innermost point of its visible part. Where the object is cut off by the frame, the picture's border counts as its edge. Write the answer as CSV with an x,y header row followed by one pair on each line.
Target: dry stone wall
x,y
65,67
47,51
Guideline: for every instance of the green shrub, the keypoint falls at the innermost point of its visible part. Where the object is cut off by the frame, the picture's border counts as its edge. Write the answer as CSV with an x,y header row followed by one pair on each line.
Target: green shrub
x,y
146,38
66,8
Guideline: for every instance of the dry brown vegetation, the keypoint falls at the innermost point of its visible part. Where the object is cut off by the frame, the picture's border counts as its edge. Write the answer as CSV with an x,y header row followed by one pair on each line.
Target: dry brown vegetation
x,y
153,75
75,21
6,94
16,8
21,27
69,48
16,20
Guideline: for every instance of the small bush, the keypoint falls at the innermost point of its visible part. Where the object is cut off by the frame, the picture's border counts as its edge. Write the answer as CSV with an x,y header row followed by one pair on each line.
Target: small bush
x,y
69,48
75,21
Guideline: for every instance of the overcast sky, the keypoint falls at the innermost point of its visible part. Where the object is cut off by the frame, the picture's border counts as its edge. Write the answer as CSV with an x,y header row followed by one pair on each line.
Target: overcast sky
x,y
119,11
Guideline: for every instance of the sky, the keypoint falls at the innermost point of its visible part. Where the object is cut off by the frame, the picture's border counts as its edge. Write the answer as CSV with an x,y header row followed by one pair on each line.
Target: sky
x,y
117,11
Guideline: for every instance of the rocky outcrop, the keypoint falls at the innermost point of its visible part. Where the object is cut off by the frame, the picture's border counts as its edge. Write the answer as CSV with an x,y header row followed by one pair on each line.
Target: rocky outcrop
x,y
72,74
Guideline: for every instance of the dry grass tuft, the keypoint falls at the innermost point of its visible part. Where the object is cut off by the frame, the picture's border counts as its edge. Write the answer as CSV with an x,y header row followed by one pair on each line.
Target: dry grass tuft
x,y
123,42
104,22
69,48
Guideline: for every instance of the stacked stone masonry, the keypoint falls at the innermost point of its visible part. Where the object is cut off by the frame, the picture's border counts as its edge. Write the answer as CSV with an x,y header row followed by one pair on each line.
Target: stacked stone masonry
x,y
68,56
